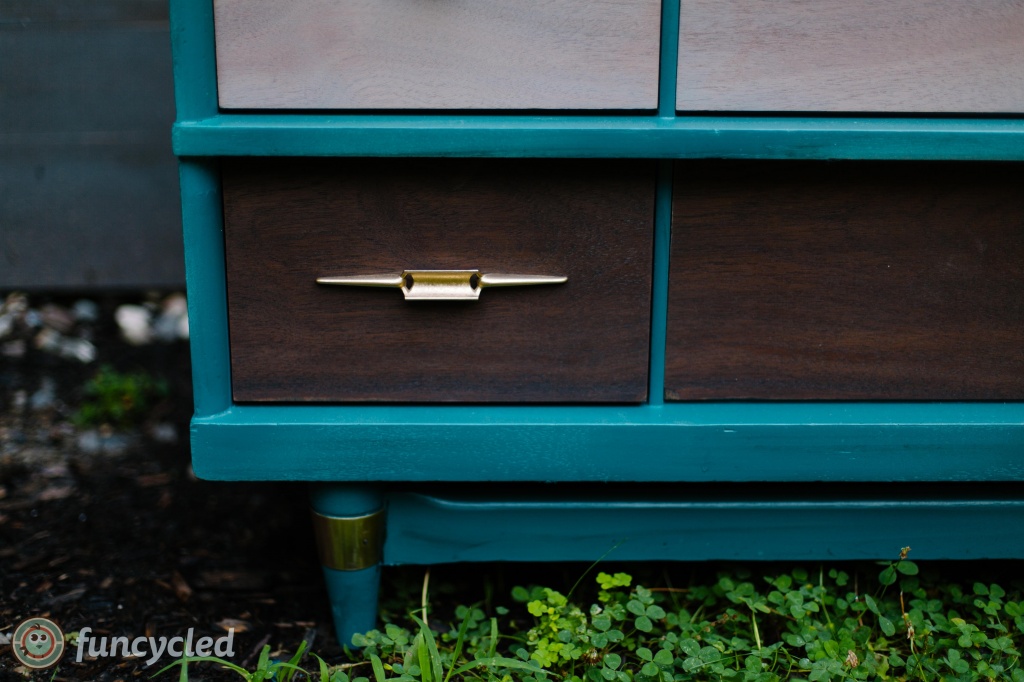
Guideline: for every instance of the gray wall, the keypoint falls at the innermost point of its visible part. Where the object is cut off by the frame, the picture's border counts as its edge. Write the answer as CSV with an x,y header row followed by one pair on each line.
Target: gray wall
x,y
88,184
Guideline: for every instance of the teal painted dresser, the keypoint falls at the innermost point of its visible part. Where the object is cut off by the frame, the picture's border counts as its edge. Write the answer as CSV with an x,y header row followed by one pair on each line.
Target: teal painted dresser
x,y
780,258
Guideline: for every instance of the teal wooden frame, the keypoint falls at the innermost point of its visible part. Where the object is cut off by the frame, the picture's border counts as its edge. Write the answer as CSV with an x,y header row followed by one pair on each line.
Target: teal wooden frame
x,y
907,473
754,441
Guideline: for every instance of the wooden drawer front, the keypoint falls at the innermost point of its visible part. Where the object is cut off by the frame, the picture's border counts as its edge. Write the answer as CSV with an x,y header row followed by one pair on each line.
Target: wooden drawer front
x,y
851,55
847,281
288,223
431,54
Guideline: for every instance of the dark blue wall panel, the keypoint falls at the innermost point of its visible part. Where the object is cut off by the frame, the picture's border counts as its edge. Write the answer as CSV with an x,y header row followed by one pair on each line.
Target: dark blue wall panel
x,y
88,184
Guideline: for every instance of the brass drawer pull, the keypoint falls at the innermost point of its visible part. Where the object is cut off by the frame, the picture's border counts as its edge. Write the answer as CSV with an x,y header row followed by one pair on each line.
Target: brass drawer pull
x,y
442,285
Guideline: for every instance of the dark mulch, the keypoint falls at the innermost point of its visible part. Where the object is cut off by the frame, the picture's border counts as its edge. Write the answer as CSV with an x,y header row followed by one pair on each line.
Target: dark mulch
x,y
130,543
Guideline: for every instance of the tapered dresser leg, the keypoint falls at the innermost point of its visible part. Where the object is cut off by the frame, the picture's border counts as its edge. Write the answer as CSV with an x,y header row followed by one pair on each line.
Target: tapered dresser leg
x,y
349,525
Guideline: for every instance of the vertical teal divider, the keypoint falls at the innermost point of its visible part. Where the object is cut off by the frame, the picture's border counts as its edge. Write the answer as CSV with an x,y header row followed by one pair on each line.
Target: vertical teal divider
x,y
194,58
659,294
669,66
663,202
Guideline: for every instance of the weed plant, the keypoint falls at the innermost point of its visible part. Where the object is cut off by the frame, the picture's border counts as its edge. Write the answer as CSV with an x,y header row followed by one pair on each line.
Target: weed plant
x,y
800,625
119,399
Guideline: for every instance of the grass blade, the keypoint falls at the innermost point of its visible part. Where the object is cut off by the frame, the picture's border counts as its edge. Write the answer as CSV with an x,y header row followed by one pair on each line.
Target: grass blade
x,y
501,661
184,661
423,657
435,657
292,665
263,664
325,673
459,640
492,650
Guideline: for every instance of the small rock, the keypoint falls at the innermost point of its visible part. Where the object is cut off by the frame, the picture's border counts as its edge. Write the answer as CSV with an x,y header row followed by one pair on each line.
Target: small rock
x,y
105,441
48,340
164,432
14,349
45,397
165,329
85,310
51,341
134,323
89,442
79,349
172,323
56,492
16,303
62,431
6,324
58,470
181,588
175,304
56,317
117,444
236,624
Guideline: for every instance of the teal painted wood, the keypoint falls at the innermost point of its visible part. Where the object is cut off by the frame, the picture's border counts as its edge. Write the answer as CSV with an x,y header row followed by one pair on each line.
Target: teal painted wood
x,y
669,64
339,499
352,594
675,442
194,59
684,137
353,598
205,282
428,529
659,290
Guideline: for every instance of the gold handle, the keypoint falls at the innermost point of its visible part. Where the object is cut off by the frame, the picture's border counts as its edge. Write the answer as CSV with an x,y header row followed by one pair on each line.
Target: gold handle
x,y
442,285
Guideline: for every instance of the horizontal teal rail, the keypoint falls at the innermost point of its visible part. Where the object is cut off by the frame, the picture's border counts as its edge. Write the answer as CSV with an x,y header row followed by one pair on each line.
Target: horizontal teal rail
x,y
442,528
683,137
683,442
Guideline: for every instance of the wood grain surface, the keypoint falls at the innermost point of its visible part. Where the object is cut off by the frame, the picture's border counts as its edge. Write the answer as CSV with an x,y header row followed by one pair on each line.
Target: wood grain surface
x,y
438,54
289,222
847,281
851,55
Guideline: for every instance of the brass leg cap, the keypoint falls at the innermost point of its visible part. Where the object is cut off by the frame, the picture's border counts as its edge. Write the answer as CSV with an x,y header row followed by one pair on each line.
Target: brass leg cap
x,y
349,543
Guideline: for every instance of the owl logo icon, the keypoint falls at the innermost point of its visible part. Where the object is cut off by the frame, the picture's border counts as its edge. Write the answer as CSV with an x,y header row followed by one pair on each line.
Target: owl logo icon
x,y
38,643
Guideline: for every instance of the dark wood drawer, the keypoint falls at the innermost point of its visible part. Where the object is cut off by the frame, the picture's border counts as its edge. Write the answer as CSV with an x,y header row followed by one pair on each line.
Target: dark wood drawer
x,y
846,281
945,56
424,54
289,222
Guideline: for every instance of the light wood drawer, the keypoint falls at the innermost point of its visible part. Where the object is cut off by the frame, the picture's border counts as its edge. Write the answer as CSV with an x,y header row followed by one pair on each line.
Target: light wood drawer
x,y
847,281
437,54
289,223
947,56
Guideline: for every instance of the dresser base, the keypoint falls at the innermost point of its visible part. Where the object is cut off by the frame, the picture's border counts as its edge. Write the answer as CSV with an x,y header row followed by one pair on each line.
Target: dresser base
x,y
438,523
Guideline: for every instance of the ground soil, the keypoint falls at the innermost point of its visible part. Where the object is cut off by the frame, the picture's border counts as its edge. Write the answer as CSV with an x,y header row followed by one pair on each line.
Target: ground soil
x,y
126,541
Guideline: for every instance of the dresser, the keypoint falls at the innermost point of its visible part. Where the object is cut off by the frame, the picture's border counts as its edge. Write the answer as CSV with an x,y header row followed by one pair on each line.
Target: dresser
x,y
637,279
